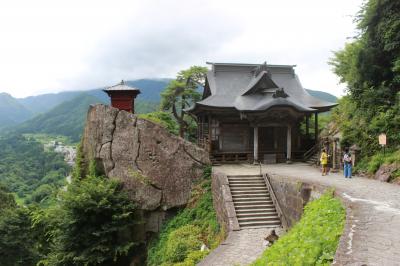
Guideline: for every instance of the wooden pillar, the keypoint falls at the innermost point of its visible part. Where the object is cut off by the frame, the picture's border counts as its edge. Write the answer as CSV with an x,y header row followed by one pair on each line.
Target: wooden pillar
x,y
316,127
307,126
335,165
199,131
289,143
209,135
255,145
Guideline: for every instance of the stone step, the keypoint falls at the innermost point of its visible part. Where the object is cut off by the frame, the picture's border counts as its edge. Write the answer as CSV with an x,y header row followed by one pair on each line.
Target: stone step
x,y
260,226
254,207
248,186
250,195
244,176
257,213
253,211
253,199
260,223
253,203
259,219
247,182
249,191
261,183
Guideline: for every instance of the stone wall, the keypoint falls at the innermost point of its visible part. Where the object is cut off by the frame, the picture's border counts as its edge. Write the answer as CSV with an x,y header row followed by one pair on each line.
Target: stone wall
x,y
223,203
293,195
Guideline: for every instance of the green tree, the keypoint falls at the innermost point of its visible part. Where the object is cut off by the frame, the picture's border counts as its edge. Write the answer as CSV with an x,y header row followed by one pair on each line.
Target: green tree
x,y
370,66
93,224
17,240
6,198
181,93
25,165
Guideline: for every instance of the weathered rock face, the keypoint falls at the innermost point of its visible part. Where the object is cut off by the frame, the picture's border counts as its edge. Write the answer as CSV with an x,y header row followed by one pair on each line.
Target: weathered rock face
x,y
385,172
157,168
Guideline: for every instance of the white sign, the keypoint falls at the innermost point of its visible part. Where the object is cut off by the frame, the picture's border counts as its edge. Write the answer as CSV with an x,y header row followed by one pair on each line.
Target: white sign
x,y
382,139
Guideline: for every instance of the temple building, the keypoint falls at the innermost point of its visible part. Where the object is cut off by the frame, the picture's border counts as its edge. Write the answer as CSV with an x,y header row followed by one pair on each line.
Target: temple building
x,y
122,96
256,112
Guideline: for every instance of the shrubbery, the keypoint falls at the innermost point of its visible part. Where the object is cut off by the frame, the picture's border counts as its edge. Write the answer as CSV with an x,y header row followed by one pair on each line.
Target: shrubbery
x,y
313,240
92,224
181,238
371,164
17,240
164,119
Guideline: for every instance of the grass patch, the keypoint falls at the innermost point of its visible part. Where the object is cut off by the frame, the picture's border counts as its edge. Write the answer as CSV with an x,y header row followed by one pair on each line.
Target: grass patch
x,y
371,164
313,240
180,239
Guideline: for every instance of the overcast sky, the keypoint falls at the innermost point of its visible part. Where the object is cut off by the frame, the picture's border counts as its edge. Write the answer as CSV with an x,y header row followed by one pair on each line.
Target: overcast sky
x,y
51,46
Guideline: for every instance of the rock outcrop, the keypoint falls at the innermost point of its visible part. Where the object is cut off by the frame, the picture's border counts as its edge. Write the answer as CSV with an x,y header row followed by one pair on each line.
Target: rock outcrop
x,y
386,171
157,168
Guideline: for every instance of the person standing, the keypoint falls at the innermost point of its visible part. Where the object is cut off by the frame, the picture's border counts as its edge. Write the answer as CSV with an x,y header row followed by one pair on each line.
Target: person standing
x,y
324,162
347,163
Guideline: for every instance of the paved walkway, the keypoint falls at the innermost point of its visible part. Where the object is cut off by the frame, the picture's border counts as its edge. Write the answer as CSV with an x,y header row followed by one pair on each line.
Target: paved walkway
x,y
372,231
240,248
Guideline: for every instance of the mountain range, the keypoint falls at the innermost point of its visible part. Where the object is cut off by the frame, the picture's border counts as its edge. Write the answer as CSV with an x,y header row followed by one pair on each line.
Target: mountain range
x,y
64,113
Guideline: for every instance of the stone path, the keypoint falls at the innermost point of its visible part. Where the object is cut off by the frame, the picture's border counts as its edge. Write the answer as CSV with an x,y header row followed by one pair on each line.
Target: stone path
x,y
240,248
372,231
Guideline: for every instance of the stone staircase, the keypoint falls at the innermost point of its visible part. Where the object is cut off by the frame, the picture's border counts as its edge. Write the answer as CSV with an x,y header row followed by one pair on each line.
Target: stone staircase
x,y
313,160
253,204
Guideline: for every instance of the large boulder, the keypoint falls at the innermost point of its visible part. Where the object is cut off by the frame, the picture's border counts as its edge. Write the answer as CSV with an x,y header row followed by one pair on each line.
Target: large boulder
x,y
157,168
385,172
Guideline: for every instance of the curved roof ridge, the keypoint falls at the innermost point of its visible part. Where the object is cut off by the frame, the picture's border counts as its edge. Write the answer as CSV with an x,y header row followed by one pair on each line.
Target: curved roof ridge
x,y
251,88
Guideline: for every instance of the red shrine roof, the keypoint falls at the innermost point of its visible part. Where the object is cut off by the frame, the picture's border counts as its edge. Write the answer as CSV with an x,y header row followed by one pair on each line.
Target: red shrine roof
x,y
121,87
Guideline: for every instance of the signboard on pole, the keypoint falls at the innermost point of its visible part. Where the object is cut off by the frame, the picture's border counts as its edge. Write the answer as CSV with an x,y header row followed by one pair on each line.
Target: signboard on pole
x,y
382,139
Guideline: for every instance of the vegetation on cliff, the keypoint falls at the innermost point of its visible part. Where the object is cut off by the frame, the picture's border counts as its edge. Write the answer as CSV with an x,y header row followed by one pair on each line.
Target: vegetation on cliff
x,y
164,119
370,67
313,240
181,238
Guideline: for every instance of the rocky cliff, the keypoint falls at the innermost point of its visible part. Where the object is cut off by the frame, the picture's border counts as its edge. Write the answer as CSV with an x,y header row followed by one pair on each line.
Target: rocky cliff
x,y
157,168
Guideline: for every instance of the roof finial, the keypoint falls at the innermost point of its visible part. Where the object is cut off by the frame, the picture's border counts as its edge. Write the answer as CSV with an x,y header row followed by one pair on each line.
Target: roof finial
x,y
122,82
260,68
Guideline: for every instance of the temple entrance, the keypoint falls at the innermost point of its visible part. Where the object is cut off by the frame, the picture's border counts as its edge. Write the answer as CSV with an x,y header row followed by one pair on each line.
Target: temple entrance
x,y
272,144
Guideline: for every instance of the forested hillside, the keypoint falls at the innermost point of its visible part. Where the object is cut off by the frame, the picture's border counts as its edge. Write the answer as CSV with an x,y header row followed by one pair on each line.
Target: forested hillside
x,y
68,118
370,67
10,105
150,91
323,95
29,171
14,111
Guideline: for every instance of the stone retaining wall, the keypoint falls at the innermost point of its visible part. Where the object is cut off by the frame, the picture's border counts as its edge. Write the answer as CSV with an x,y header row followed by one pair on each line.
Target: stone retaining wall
x,y
223,203
293,195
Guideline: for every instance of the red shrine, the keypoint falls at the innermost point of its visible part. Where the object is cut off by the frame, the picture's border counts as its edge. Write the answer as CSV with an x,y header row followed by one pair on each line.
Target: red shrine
x,y
122,96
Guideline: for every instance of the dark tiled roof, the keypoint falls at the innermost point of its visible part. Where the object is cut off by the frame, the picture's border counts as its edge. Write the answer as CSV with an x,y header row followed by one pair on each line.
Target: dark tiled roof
x,y
121,87
252,87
